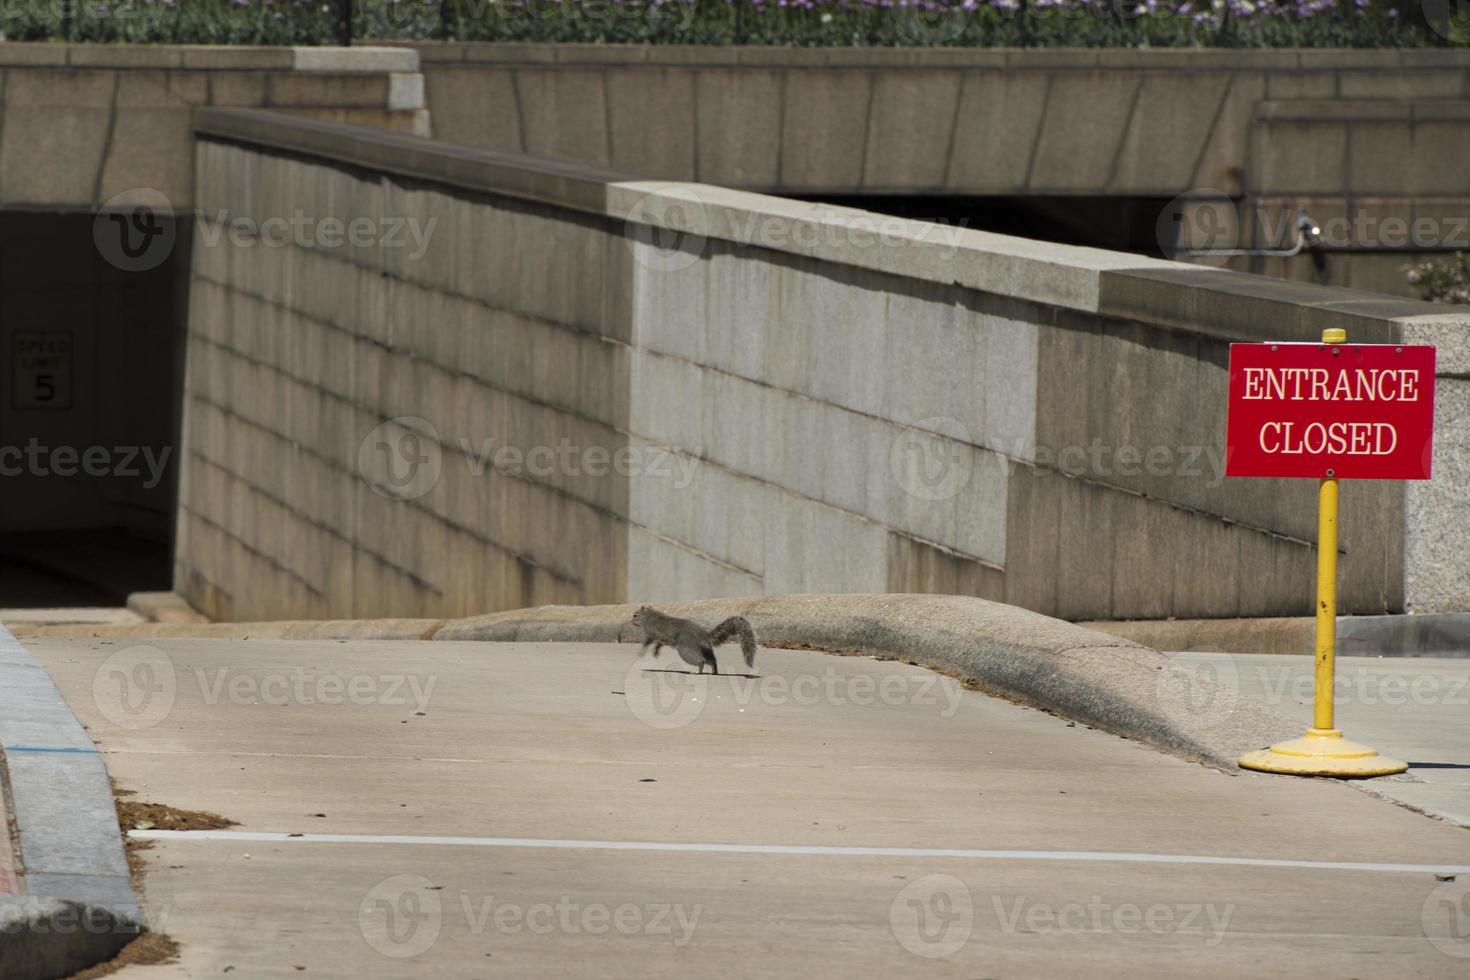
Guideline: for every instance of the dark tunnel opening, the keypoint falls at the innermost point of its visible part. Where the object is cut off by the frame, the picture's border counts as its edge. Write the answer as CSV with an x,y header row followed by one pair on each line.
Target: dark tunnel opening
x,y
1125,224
91,347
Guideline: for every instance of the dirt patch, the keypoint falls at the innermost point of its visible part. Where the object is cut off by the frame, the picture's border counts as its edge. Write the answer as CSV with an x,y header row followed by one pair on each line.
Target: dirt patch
x,y
151,947
148,949
137,815
133,850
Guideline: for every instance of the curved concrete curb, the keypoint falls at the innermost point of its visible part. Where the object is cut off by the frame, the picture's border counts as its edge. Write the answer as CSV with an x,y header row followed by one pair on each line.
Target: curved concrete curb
x,y
1100,680
78,908
41,938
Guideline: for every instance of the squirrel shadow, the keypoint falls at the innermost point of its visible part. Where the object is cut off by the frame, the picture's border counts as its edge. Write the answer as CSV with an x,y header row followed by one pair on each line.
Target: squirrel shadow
x,y
671,670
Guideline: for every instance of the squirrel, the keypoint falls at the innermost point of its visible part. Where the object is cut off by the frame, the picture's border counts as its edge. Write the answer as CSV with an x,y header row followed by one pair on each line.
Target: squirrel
x,y
694,644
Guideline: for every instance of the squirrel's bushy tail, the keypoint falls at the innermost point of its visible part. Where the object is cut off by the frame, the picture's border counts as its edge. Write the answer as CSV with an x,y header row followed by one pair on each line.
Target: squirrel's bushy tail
x,y
736,627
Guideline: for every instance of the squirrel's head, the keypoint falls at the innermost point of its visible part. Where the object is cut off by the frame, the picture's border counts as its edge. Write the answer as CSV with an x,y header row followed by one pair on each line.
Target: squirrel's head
x,y
638,616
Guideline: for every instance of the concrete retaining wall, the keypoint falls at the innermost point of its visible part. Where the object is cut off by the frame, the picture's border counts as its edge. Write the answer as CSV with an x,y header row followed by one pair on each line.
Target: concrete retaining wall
x,y
1367,141
938,120
707,392
86,122
1370,136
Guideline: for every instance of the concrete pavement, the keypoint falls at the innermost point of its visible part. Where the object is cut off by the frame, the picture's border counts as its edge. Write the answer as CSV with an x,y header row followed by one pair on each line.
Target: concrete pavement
x,y
521,743
1397,635
1413,709
1092,678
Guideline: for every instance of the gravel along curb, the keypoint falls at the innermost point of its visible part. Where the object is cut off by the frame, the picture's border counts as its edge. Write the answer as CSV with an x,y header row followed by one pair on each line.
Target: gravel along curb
x,y
1104,681
78,906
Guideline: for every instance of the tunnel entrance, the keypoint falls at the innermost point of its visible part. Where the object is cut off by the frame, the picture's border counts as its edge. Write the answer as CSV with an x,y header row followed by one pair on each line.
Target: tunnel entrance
x,y
1123,224
1160,227
91,343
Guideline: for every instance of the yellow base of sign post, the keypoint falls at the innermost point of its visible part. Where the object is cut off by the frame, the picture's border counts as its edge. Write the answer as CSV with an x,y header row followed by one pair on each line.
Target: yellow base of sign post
x,y
1322,751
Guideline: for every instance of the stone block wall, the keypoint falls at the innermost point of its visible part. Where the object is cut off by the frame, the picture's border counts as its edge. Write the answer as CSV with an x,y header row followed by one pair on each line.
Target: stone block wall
x,y
734,394
300,494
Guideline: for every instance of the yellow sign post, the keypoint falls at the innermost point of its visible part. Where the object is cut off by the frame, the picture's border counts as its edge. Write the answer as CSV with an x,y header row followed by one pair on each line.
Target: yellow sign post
x,y
1323,751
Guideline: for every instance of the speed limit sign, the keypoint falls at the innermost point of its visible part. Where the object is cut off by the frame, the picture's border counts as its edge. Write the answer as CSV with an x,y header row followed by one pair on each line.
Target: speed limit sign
x,y
43,362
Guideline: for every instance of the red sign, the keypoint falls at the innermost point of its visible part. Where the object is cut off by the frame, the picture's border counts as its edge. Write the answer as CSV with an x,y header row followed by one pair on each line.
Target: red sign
x,y
1351,411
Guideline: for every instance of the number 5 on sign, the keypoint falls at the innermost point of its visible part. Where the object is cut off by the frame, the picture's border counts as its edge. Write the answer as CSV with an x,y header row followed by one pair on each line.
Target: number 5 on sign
x,y
1331,411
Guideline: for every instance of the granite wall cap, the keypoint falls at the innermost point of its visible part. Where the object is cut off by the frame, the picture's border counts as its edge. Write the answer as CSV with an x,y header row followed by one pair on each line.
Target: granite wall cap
x,y
354,59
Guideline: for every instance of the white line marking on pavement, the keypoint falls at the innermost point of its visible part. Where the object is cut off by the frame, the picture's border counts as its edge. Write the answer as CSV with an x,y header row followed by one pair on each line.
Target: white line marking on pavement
x,y
377,758
907,852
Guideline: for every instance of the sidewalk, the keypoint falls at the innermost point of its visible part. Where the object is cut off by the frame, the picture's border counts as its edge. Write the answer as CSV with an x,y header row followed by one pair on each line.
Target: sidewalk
x,y
433,809
1413,709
